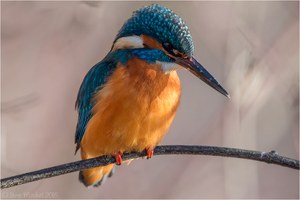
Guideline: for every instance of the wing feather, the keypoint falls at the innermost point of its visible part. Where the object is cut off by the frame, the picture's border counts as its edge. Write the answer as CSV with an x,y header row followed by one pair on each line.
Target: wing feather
x,y
94,81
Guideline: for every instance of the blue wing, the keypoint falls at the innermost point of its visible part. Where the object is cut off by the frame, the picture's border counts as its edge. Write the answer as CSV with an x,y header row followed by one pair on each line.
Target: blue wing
x,y
93,82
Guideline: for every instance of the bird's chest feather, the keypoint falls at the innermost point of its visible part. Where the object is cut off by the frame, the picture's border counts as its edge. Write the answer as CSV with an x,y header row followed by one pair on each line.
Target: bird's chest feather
x,y
134,110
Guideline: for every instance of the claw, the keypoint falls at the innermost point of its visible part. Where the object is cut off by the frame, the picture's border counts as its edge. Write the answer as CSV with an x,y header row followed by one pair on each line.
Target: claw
x,y
118,158
149,153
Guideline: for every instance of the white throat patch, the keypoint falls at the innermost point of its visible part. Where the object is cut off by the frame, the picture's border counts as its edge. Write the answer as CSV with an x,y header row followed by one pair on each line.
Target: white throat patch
x,y
129,42
168,67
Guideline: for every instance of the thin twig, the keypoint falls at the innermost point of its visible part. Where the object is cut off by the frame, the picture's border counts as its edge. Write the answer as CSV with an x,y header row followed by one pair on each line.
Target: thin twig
x,y
271,157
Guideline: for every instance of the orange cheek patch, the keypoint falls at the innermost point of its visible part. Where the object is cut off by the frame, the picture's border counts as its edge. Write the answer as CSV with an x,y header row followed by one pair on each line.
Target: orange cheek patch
x,y
151,43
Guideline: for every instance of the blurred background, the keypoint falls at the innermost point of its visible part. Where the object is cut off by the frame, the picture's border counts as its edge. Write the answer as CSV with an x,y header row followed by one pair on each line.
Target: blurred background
x,y
252,48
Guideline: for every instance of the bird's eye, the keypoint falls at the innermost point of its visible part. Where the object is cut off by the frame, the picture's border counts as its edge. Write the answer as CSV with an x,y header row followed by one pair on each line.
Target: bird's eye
x,y
169,48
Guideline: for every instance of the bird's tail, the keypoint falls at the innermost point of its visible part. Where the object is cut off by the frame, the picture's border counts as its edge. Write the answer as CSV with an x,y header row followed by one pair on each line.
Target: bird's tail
x,y
96,176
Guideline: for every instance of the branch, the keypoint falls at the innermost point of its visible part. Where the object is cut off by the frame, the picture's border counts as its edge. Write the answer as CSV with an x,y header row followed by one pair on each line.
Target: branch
x,y
271,157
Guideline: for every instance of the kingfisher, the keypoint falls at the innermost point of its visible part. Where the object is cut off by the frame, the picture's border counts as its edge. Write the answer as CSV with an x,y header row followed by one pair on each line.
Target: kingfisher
x,y
128,100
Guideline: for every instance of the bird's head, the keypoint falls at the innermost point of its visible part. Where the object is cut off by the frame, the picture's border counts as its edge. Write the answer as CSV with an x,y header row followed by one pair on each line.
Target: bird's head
x,y
157,35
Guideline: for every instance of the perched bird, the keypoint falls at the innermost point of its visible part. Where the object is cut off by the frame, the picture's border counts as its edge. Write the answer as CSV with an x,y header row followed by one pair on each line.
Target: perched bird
x,y
128,100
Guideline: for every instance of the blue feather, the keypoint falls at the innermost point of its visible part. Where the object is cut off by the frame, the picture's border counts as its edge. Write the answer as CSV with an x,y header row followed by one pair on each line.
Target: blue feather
x,y
151,55
94,80
162,24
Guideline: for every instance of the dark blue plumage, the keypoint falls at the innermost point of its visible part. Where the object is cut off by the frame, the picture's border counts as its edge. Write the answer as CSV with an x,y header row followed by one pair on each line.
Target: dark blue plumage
x,y
93,81
162,24
151,55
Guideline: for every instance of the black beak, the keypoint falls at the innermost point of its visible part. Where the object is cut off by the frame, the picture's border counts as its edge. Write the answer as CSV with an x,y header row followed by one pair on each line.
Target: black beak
x,y
198,70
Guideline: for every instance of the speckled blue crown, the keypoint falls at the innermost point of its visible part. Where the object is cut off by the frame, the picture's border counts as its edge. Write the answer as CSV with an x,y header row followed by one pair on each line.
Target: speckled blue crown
x,y
162,24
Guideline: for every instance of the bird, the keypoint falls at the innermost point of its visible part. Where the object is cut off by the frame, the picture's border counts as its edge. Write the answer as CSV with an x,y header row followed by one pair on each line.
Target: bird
x,y
128,100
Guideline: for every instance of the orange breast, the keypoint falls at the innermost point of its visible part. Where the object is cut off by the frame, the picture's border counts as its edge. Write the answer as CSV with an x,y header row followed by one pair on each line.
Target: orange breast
x,y
133,111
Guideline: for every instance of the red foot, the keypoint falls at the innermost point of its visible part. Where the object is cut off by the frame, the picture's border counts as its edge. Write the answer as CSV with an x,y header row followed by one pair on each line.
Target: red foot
x,y
149,153
118,158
